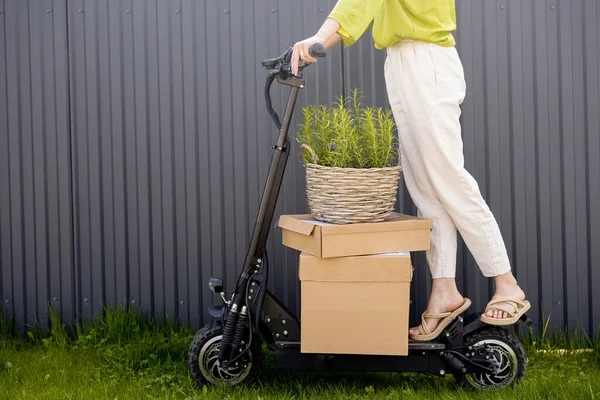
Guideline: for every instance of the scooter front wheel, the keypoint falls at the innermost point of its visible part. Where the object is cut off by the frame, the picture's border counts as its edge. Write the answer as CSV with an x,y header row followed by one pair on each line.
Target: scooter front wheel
x,y
505,351
203,359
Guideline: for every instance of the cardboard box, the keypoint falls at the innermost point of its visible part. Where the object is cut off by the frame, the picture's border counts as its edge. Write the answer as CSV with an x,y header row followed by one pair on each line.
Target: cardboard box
x,y
398,233
355,305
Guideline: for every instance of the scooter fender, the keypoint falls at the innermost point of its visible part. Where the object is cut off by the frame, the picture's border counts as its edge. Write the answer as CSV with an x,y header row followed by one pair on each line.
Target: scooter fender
x,y
473,323
217,311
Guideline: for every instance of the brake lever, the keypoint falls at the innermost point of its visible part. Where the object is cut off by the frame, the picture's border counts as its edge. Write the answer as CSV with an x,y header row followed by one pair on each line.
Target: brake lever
x,y
286,70
286,64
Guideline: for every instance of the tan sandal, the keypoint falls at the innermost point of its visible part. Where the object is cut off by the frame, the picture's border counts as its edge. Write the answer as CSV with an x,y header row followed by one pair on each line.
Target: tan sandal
x,y
517,304
445,319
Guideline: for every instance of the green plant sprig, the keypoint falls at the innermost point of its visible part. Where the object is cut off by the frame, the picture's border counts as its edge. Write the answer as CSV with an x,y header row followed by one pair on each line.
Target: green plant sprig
x,y
347,135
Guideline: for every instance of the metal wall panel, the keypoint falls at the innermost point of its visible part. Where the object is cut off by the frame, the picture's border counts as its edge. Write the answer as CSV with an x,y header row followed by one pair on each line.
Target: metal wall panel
x,y
134,146
172,145
591,182
36,239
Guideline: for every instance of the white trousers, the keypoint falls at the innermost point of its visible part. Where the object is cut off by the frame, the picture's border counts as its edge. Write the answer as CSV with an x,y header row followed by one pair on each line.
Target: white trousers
x,y
426,86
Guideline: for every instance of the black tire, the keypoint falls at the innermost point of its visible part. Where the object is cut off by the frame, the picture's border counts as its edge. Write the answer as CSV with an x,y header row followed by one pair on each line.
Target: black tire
x,y
204,366
513,358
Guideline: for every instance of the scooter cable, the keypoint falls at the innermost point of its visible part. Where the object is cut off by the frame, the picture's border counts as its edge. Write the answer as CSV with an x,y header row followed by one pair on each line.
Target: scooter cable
x,y
260,299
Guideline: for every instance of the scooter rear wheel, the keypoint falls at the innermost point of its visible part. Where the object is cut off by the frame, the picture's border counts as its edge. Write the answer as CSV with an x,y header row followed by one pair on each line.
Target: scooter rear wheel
x,y
508,355
204,364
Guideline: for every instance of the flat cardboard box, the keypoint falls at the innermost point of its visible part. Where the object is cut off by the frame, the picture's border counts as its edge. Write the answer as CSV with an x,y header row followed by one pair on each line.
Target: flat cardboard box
x,y
355,305
397,233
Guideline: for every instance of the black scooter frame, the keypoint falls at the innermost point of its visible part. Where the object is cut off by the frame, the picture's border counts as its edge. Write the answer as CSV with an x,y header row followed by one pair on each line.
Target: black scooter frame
x,y
276,326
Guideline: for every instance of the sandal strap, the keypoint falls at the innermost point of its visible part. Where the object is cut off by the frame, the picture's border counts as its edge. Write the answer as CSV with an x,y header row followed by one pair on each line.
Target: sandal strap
x,y
436,316
423,328
507,309
512,300
496,303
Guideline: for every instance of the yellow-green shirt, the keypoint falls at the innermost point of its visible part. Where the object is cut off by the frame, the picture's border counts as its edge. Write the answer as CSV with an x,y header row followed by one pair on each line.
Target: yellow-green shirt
x,y
393,20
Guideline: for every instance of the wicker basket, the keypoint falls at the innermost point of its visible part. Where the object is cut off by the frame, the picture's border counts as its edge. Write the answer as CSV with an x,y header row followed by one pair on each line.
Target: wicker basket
x,y
350,195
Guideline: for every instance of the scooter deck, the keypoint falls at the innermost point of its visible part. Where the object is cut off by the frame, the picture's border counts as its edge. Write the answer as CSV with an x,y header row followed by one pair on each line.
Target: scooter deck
x,y
416,361
421,357
429,345
412,345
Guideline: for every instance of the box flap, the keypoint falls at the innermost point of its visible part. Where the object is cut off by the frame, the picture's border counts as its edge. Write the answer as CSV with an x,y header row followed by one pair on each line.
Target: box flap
x,y
398,233
372,268
394,222
296,223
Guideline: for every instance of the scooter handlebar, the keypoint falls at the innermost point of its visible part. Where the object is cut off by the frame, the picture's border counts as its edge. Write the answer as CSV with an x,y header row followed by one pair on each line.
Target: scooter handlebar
x,y
280,66
317,50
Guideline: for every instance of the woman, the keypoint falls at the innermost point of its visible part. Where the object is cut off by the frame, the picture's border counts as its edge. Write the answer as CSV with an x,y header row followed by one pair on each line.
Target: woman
x,y
425,84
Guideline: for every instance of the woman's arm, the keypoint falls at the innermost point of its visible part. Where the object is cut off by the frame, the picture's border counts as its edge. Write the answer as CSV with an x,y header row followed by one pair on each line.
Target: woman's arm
x,y
353,16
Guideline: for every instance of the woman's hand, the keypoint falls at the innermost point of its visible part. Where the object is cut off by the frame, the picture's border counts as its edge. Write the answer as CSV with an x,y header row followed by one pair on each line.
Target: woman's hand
x,y
301,52
326,36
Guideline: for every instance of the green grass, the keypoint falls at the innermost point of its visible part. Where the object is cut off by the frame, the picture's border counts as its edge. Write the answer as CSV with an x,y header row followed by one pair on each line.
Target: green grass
x,y
123,355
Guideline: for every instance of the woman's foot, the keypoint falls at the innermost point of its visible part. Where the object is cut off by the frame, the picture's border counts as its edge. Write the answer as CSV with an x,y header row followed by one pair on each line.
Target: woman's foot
x,y
445,297
506,286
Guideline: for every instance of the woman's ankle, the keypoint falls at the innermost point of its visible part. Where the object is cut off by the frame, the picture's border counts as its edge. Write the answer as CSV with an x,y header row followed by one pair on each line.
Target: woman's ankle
x,y
445,287
507,279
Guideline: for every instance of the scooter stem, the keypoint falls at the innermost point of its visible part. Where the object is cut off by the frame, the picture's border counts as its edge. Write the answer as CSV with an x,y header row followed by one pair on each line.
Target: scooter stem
x,y
270,194
263,222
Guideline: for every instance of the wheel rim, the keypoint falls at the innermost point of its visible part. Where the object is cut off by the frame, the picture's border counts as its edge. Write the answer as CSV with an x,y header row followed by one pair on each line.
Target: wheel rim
x,y
211,369
505,361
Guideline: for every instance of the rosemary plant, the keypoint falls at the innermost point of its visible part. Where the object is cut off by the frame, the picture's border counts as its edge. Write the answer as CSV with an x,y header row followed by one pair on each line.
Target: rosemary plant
x,y
348,135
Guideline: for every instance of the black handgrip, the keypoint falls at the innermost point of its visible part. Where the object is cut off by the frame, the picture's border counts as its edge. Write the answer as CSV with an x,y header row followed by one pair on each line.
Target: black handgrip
x,y
317,50
270,63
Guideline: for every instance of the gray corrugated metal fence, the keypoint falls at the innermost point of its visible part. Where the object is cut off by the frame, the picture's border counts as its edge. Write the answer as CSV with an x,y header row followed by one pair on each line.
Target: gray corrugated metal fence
x,y
134,144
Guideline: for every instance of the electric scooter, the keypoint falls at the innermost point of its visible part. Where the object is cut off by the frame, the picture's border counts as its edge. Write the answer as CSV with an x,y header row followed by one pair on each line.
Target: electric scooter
x,y
229,349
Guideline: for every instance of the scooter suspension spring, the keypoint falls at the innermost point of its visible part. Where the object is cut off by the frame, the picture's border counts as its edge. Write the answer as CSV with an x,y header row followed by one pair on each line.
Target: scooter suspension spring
x,y
239,332
454,363
228,333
